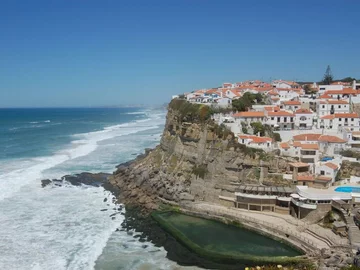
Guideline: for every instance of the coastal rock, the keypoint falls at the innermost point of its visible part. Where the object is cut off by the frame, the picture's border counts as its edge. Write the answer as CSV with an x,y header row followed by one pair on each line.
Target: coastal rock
x,y
196,160
45,182
186,197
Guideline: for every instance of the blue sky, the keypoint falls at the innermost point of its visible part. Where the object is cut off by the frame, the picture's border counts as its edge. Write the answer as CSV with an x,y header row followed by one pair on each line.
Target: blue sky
x,y
81,53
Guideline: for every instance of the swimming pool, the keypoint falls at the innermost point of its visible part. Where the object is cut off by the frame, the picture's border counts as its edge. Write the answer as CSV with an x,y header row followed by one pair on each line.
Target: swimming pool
x,y
348,189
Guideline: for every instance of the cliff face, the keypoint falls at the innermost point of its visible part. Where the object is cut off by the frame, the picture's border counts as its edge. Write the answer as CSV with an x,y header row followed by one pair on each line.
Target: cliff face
x,y
196,160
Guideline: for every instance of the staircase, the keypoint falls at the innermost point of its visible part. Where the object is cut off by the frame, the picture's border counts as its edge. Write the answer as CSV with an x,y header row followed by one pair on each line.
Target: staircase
x,y
353,230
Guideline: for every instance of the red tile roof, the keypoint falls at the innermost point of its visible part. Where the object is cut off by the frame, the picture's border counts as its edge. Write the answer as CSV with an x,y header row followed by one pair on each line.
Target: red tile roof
x,y
280,113
323,178
345,91
256,139
303,111
340,115
334,101
299,164
305,177
331,139
284,145
307,137
324,96
292,102
310,146
331,165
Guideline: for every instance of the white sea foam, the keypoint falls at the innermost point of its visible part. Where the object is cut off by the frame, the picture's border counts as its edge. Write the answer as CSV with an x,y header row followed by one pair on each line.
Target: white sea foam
x,y
86,143
63,227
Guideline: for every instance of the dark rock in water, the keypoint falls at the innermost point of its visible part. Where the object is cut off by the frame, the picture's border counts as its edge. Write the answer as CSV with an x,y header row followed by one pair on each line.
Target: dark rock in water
x,y
105,200
113,214
144,246
103,210
45,182
113,218
130,233
90,179
125,245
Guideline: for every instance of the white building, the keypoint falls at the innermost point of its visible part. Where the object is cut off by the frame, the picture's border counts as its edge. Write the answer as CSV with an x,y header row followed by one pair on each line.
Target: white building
x,y
304,119
249,117
327,169
285,84
324,88
292,105
264,143
339,120
331,106
281,120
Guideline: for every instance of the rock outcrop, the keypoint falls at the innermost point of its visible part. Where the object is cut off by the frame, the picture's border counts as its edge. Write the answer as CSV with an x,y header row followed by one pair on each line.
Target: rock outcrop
x,y
196,160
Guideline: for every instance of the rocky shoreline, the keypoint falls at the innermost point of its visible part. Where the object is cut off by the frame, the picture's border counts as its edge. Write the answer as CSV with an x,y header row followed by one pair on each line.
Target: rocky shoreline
x,y
196,161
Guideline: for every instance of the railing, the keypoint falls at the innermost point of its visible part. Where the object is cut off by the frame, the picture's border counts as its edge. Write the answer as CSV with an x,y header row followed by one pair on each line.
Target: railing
x,y
304,205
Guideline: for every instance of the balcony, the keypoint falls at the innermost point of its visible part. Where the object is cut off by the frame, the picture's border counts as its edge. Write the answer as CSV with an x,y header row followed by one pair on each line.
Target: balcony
x,y
304,204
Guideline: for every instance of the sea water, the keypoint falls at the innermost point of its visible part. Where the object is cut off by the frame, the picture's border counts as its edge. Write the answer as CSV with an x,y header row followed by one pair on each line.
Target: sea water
x,y
65,227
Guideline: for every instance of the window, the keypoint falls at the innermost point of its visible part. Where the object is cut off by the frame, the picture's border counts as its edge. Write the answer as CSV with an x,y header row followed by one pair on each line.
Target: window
x,y
340,119
322,172
352,119
302,118
272,118
339,106
285,119
292,119
323,106
278,119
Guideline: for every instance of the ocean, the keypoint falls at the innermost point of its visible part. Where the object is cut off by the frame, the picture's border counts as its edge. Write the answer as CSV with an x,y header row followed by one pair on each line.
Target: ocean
x,y
64,227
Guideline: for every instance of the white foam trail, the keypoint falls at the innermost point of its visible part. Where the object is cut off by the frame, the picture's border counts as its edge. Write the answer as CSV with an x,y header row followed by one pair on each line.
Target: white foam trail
x,y
12,181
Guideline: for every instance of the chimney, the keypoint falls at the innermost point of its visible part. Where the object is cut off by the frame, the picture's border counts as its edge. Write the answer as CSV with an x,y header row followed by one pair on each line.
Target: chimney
x,y
354,84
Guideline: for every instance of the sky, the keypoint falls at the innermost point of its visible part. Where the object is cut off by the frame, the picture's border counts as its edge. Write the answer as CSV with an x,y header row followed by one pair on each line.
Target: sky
x,y
56,53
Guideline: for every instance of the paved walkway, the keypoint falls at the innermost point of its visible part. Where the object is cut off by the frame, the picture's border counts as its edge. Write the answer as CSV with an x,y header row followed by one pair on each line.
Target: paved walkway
x,y
313,234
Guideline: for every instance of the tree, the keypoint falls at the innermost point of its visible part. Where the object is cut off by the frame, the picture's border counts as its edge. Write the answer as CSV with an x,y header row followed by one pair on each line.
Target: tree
x,y
307,89
348,79
258,128
277,137
328,77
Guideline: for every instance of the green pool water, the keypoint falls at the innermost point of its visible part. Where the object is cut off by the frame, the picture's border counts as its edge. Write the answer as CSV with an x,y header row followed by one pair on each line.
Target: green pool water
x,y
222,239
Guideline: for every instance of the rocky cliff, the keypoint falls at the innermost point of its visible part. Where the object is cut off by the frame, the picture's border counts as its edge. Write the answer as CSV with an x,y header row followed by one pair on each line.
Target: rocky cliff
x,y
196,160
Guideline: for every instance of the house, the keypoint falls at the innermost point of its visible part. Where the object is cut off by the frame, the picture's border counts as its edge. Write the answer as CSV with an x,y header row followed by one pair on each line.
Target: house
x,y
289,93
281,120
309,152
249,117
353,139
339,120
232,94
264,143
304,119
327,170
223,102
313,181
292,105
343,93
308,138
285,84
331,145
325,88
331,106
